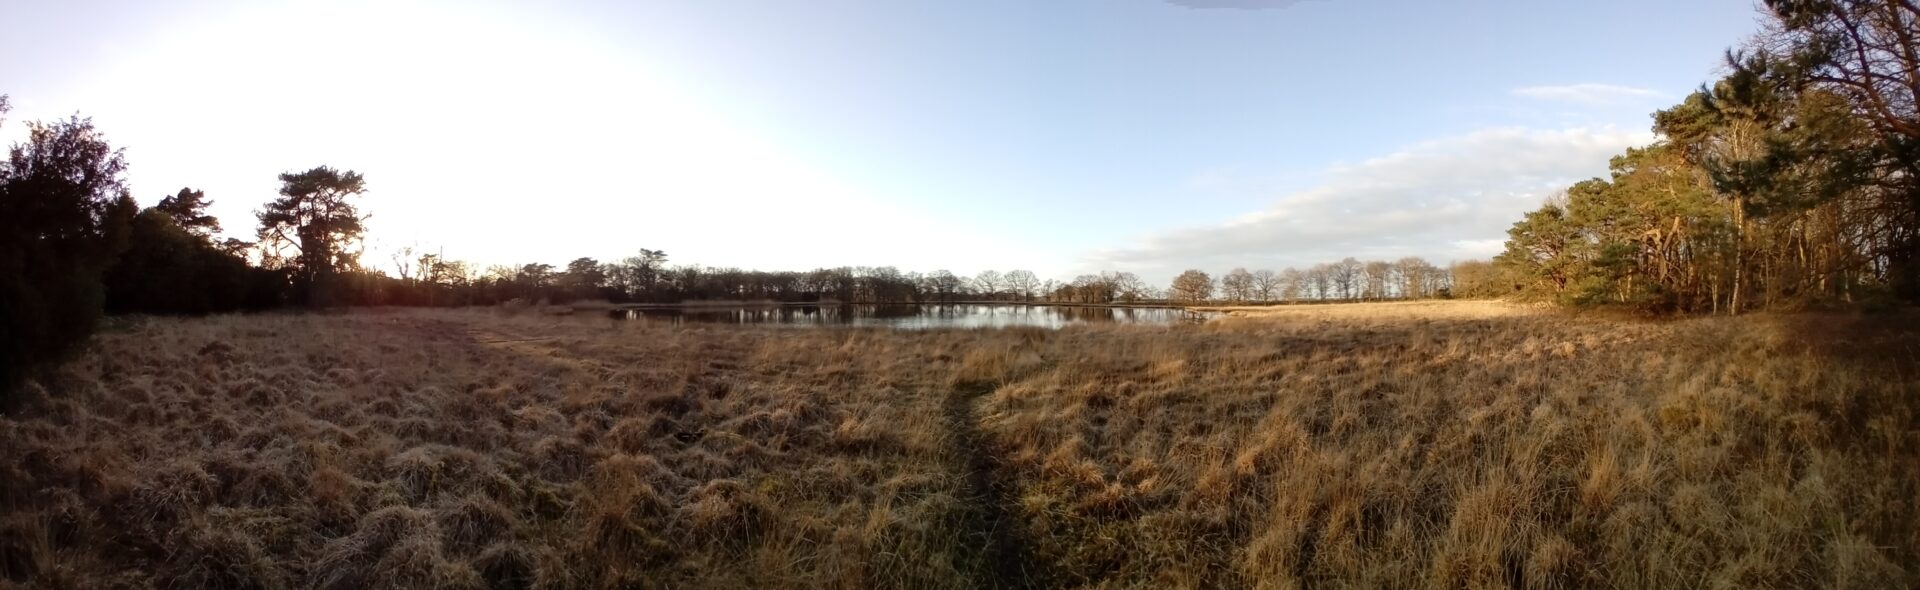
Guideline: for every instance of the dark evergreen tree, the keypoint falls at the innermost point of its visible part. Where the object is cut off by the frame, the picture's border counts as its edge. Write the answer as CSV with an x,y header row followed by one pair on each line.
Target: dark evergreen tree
x,y
310,231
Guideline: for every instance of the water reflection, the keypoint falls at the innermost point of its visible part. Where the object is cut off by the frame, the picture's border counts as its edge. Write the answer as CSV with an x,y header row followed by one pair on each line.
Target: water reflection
x,y
916,316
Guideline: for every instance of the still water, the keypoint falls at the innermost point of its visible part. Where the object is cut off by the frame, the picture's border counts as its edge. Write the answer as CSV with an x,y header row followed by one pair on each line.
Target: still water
x,y
914,317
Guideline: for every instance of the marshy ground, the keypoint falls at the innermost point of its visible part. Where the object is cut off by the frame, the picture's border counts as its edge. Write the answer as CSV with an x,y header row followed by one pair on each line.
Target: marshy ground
x,y
1344,446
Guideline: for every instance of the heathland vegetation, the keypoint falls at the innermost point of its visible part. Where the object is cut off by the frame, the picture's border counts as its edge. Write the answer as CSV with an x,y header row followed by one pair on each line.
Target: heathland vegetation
x,y
1753,422
1345,445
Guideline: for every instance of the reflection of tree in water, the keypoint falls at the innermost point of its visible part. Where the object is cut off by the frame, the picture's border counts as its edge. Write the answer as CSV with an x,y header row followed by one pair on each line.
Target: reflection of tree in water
x,y
1086,314
907,311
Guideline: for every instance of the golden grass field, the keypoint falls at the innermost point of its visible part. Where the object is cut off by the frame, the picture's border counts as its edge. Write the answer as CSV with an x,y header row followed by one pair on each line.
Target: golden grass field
x,y
1465,445
1384,310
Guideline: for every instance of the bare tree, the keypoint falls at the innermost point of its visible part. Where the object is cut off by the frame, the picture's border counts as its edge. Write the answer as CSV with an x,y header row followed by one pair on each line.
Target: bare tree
x,y
944,284
1376,273
1192,286
1320,281
1237,285
1022,283
404,263
1128,286
1292,282
989,283
1098,288
1346,275
1266,284
1412,273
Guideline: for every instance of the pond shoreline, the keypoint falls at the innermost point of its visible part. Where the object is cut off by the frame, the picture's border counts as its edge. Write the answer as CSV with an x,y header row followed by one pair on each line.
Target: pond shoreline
x,y
767,304
913,315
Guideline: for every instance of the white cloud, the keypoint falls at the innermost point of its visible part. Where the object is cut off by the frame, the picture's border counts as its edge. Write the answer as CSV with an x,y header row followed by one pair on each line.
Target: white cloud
x,y
1589,94
1445,199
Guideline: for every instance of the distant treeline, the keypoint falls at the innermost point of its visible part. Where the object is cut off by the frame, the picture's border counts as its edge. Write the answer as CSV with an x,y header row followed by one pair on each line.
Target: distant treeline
x,y
646,278
1349,279
74,245
1794,181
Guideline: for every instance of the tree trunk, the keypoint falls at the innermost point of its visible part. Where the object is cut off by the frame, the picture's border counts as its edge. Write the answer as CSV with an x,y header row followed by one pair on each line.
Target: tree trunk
x,y
1739,254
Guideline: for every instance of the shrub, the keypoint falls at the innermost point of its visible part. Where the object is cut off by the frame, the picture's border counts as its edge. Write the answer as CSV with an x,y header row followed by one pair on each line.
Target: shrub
x,y
64,214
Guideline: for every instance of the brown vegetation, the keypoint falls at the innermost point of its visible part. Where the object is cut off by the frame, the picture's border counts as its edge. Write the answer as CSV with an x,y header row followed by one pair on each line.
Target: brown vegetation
x,y
474,449
1385,311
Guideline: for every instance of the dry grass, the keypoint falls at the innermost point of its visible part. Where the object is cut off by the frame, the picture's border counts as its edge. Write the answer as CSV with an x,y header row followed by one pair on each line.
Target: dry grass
x,y
1386,310
456,449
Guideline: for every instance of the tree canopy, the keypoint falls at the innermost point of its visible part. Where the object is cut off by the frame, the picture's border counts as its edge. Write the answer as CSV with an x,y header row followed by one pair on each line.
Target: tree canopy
x,y
64,212
315,219
1789,182
1193,285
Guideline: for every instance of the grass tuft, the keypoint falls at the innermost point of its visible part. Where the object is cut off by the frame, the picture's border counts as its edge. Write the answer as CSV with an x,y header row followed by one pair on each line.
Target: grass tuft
x,y
1431,445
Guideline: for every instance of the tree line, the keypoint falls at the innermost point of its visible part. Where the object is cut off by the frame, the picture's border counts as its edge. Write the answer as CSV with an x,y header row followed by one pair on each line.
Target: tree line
x,y
647,279
1793,181
1348,279
432,280
76,245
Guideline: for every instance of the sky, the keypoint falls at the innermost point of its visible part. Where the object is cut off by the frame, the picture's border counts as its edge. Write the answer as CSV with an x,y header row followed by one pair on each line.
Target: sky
x,y
1064,137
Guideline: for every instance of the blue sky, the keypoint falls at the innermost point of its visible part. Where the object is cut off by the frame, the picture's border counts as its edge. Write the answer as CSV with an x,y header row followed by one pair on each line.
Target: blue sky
x,y
1061,136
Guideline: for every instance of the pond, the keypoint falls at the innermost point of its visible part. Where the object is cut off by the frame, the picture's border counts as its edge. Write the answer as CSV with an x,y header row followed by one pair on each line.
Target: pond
x,y
916,317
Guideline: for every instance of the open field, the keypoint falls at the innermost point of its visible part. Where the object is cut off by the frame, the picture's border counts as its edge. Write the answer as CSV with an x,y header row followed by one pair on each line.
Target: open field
x,y
1432,309
1331,446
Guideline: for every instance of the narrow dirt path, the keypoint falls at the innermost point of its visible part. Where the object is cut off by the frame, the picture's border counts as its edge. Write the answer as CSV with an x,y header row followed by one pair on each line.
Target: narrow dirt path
x,y
1006,553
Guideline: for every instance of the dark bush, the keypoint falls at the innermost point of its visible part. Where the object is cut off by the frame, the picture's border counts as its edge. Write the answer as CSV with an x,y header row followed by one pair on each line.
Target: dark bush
x,y
64,214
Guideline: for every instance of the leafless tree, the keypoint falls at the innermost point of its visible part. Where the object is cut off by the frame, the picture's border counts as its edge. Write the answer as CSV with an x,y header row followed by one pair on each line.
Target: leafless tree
x,y
403,263
1292,284
1320,281
1376,273
1413,275
989,283
1192,286
1022,283
1128,286
1266,284
1237,285
1346,275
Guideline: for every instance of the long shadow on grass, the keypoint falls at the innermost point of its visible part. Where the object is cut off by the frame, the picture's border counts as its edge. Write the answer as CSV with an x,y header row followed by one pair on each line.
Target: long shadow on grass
x,y
1005,553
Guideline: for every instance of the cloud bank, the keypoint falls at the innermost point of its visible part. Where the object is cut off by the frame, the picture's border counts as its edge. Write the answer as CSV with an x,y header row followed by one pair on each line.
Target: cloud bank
x,y
1446,199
